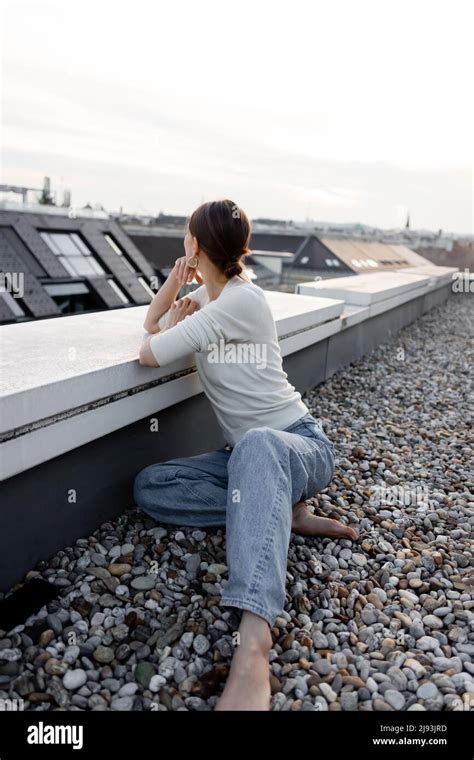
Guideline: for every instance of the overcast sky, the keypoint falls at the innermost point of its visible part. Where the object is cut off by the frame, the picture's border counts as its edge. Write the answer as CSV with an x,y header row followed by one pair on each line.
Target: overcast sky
x,y
342,111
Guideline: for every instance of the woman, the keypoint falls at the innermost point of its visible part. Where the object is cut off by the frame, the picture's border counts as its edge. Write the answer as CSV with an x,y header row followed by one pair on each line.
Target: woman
x,y
276,455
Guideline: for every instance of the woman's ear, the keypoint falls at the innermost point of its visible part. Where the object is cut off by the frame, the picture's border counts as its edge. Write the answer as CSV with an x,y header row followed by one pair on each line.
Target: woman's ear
x,y
196,248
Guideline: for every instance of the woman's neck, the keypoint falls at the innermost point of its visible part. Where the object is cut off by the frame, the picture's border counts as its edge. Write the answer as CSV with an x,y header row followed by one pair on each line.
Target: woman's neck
x,y
215,284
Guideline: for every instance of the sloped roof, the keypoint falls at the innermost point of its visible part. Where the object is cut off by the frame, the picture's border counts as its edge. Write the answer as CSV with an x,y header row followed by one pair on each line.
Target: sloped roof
x,y
315,255
276,242
160,250
412,257
367,254
22,242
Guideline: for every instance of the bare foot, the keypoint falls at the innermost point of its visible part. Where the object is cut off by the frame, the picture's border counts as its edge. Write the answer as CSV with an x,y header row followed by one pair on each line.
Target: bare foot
x,y
248,684
306,524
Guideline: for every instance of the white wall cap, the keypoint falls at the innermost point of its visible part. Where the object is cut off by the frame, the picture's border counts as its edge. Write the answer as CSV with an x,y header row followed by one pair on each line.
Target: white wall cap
x,y
53,365
366,289
439,275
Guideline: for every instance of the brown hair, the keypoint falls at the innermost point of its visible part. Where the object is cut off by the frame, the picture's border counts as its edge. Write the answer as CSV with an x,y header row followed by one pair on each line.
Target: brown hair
x,y
222,230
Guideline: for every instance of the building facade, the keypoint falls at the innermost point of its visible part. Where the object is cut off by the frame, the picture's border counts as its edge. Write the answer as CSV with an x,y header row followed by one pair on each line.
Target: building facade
x,y
52,265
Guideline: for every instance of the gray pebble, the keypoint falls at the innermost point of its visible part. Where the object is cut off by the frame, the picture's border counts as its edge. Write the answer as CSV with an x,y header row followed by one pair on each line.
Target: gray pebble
x,y
143,583
201,644
74,679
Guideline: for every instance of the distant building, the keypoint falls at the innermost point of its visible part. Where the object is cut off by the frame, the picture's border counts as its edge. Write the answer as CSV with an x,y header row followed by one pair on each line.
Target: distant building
x,y
52,265
282,257
56,261
367,255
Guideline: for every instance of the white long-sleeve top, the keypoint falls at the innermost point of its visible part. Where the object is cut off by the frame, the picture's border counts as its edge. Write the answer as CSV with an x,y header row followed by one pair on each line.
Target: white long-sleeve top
x,y
238,359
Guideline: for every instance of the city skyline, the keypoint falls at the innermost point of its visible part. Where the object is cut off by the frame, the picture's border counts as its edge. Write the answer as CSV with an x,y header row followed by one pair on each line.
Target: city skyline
x,y
317,115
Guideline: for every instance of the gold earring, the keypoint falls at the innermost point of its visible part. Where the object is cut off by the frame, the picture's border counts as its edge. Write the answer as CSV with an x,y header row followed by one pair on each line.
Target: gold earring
x,y
192,262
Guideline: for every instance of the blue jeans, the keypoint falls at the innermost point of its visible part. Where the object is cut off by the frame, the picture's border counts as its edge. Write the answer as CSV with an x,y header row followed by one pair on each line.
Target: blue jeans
x,y
251,489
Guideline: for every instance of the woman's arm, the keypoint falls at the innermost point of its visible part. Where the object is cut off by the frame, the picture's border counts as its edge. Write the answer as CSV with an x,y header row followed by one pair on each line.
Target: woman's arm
x,y
145,357
178,311
166,296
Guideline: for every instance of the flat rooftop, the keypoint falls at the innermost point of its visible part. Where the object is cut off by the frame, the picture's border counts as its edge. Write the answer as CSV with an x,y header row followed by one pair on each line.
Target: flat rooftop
x,y
382,624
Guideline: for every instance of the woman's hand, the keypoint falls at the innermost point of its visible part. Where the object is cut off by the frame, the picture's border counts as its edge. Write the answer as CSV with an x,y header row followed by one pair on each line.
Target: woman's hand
x,y
185,274
179,310
165,298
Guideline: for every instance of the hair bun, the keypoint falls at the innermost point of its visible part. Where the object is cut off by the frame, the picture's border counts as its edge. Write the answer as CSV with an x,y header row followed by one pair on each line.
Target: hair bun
x,y
233,268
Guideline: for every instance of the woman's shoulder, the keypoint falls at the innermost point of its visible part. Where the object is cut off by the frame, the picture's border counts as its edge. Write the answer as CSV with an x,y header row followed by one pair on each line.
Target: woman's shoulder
x,y
243,288
245,301
242,294
240,298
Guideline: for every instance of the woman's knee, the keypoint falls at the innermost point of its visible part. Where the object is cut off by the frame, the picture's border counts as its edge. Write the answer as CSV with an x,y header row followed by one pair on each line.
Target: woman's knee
x,y
326,467
139,485
148,478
